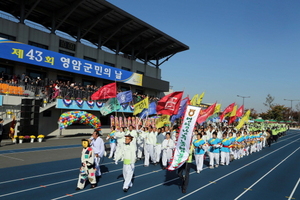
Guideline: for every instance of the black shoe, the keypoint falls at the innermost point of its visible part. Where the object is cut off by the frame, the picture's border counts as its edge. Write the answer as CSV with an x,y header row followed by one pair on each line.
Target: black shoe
x,y
183,191
125,189
77,189
93,185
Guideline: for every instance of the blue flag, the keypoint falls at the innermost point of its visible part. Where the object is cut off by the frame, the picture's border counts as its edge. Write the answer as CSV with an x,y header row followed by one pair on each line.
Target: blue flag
x,y
124,97
181,110
148,111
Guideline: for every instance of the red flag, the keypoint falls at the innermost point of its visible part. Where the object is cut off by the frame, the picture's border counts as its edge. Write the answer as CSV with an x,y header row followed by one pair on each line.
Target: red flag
x,y
169,104
227,110
105,92
239,113
206,113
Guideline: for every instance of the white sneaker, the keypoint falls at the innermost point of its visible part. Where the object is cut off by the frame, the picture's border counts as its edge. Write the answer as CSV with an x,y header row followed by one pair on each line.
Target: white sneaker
x,y
198,172
217,165
109,157
211,167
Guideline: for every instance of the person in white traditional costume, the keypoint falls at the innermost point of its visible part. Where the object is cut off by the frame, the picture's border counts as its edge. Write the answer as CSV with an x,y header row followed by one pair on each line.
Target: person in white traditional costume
x,y
167,147
128,155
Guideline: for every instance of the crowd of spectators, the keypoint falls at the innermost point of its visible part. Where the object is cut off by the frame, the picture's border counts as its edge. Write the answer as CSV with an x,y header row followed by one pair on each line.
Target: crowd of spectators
x,y
50,90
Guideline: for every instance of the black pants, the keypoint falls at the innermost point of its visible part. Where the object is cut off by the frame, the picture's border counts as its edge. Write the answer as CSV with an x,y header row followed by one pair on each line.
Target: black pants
x,y
185,181
0,138
269,141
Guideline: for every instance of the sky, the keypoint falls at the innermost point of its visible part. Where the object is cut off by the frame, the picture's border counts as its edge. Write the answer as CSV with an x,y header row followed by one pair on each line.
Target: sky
x,y
237,47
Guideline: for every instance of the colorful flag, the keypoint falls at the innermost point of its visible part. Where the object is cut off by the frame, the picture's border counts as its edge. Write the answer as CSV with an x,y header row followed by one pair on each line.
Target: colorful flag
x,y
162,120
110,106
124,97
169,104
105,92
138,107
183,144
150,111
208,112
244,119
182,107
217,108
200,98
240,111
227,110
193,102
232,115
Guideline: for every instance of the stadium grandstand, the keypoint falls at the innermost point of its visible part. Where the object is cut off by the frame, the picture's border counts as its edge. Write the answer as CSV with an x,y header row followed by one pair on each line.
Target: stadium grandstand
x,y
52,51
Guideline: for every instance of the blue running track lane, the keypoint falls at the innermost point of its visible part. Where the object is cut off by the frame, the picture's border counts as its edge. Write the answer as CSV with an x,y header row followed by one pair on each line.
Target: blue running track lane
x,y
272,173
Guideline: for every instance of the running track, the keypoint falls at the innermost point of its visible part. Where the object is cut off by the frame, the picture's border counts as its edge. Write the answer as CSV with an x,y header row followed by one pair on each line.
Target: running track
x,y
272,173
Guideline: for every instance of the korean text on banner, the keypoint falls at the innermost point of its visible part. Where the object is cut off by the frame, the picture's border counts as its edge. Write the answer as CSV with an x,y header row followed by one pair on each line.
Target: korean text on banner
x,y
181,153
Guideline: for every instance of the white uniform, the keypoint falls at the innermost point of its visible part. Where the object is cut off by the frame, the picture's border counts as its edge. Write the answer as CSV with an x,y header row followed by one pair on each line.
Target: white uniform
x,y
98,147
128,155
167,147
140,143
157,147
150,141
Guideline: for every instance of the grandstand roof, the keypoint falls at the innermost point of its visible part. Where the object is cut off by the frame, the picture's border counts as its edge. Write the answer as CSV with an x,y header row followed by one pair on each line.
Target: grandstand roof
x,y
99,22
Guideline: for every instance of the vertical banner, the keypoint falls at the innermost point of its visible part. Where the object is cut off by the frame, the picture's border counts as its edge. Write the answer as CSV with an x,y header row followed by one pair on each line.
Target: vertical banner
x,y
182,149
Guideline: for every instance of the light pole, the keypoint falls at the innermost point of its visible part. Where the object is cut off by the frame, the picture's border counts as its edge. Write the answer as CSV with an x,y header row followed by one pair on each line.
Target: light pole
x,y
291,102
243,98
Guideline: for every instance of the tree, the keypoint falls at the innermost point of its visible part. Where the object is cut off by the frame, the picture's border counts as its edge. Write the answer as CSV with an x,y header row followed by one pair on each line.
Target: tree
x,y
253,113
269,101
276,112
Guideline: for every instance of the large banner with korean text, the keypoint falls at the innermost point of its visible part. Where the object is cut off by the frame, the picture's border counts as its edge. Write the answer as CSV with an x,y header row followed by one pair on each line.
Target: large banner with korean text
x,y
16,51
182,149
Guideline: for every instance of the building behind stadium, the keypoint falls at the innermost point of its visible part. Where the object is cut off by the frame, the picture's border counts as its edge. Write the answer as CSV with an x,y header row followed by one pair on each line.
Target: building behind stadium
x,y
80,43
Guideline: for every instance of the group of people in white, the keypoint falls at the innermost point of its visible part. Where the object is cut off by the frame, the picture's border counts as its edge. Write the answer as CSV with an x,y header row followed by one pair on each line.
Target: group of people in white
x,y
156,145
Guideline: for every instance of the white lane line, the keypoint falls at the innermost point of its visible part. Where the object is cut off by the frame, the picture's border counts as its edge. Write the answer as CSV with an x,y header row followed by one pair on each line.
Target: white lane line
x,y
41,150
41,175
12,157
236,170
291,195
212,182
104,185
44,186
249,188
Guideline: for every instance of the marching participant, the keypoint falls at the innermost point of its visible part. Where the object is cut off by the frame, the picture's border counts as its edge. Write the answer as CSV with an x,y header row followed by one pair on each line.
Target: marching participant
x,y
157,147
150,141
87,170
120,136
214,151
112,141
128,155
133,133
140,141
167,147
97,145
199,145
225,149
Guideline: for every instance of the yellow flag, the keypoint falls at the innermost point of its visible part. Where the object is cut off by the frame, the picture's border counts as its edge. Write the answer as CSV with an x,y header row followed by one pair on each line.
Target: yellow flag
x,y
194,100
244,119
139,107
217,108
233,112
164,119
199,99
